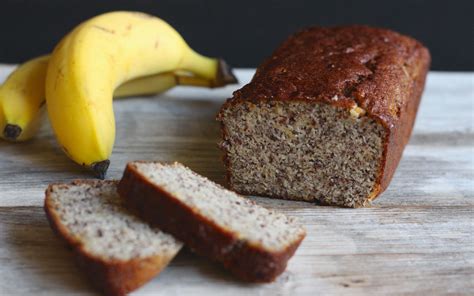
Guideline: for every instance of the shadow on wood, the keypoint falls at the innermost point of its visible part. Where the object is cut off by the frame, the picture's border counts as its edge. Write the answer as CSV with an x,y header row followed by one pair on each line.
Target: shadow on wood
x,y
39,155
204,268
169,129
35,250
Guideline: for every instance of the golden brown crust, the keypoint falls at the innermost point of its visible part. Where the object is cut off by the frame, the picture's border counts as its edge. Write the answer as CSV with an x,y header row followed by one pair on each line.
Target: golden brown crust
x,y
111,277
378,70
153,204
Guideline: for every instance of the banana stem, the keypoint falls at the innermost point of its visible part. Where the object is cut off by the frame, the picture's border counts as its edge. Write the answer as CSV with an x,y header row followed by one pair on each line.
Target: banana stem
x,y
215,70
200,65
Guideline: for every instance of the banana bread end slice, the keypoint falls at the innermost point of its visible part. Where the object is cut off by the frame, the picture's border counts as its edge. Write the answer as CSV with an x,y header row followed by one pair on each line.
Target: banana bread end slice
x,y
117,251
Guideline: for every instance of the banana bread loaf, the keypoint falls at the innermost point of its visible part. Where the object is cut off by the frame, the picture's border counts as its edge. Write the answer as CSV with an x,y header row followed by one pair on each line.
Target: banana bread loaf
x,y
326,118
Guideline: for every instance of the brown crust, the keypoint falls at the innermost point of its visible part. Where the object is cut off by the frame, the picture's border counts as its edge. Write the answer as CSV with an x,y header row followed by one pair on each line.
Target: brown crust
x,y
246,261
380,71
111,277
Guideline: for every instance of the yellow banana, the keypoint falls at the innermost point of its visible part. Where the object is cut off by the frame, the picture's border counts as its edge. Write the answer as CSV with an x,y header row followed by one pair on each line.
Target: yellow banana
x,y
22,95
96,57
155,84
21,99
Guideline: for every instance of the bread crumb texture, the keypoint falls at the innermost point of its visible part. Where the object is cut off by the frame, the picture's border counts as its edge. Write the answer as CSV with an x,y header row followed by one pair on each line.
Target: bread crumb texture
x,y
94,216
227,210
302,150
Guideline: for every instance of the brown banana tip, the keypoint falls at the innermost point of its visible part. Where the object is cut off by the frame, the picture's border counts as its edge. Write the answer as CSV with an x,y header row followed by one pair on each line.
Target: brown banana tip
x,y
11,132
100,168
225,75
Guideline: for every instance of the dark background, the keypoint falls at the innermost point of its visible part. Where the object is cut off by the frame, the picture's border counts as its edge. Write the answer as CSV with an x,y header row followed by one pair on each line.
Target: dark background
x,y
245,32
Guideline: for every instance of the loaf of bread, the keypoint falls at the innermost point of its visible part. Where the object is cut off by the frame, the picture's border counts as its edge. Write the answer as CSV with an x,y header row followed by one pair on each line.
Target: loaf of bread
x,y
252,242
118,252
326,118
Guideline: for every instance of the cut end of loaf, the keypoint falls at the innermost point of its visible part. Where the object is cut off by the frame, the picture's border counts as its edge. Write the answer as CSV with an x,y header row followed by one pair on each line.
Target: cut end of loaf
x,y
302,150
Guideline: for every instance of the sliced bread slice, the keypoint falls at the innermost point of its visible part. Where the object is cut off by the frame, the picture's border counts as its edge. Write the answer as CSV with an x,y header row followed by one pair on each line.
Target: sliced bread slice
x,y
252,242
117,250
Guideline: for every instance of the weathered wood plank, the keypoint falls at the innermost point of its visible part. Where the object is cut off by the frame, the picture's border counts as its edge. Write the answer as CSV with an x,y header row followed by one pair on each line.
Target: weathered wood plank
x,y
418,238
359,252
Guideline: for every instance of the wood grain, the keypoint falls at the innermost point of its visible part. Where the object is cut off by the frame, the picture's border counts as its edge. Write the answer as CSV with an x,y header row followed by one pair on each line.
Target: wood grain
x,y
416,239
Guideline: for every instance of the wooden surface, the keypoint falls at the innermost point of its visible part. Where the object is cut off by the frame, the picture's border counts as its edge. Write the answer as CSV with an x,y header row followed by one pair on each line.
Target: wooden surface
x,y
416,239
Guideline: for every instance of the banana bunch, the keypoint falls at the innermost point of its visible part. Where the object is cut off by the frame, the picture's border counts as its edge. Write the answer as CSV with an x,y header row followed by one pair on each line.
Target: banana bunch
x,y
22,96
116,54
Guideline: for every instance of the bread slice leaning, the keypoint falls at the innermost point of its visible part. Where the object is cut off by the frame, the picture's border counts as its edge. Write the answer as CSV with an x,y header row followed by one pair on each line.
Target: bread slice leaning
x,y
118,252
252,242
